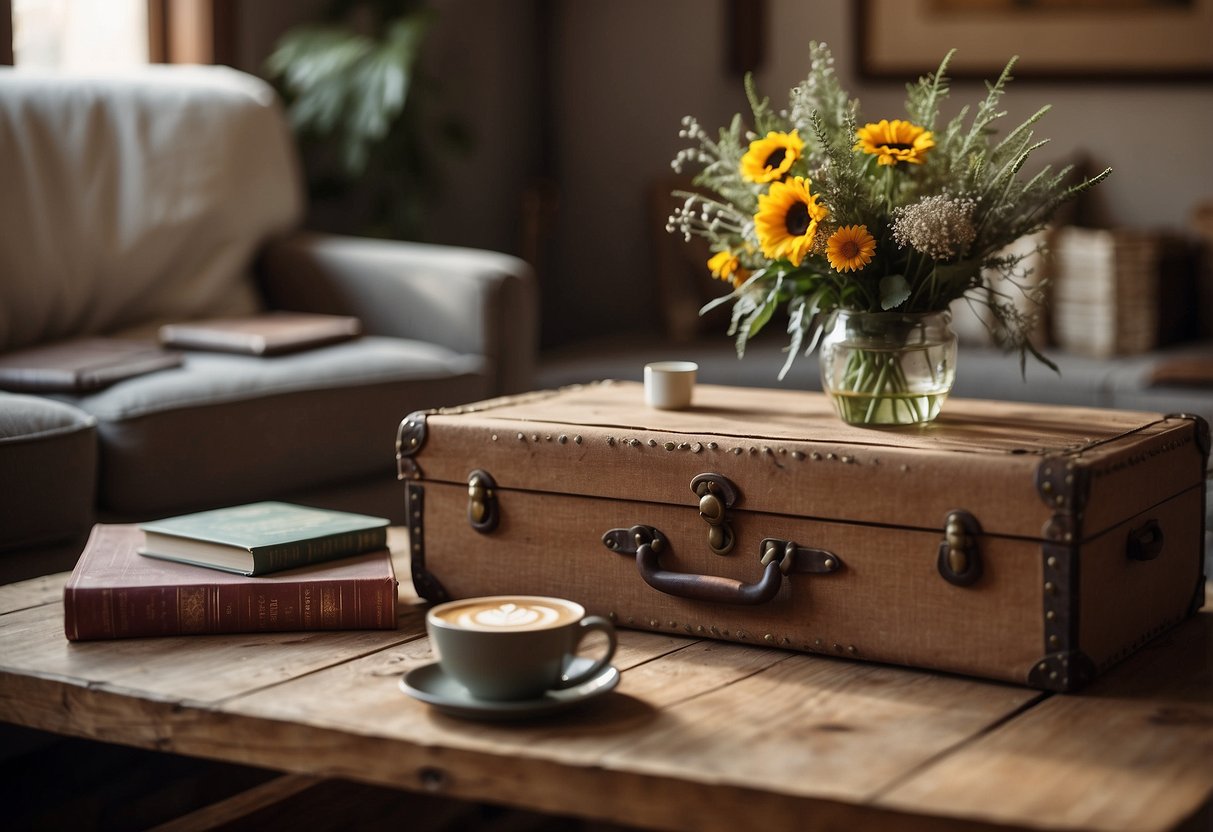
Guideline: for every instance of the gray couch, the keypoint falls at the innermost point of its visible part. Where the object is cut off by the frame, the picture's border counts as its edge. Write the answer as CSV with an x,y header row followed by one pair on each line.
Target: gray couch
x,y
172,194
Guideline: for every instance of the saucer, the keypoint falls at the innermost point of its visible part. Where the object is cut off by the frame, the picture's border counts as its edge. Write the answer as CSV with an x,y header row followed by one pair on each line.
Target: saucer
x,y
432,685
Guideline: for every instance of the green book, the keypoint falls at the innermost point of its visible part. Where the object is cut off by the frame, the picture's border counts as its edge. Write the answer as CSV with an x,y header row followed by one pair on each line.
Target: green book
x,y
264,537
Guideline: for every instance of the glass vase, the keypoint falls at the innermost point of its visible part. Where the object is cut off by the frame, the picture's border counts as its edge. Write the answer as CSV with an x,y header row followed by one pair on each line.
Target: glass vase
x,y
888,368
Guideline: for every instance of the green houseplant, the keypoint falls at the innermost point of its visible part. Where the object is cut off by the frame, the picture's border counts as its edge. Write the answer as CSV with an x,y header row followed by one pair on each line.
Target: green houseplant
x,y
356,99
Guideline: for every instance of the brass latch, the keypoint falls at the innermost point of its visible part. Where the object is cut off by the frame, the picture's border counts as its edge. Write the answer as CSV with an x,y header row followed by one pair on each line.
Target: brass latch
x,y
483,510
959,558
716,493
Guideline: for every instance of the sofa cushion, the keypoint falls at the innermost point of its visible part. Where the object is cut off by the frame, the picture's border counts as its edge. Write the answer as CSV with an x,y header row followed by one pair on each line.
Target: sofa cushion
x,y
136,197
48,471
225,429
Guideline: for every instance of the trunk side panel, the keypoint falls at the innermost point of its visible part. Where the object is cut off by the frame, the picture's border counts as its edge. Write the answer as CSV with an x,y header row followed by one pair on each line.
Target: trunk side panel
x,y
887,604
1123,602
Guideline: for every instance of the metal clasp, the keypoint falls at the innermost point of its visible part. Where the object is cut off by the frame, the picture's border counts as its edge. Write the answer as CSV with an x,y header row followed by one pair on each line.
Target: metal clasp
x,y
716,493
484,512
959,559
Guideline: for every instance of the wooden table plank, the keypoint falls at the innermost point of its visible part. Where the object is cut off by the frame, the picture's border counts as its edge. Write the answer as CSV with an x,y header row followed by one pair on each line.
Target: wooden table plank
x,y
1132,752
658,671
201,669
700,736
32,593
349,721
589,791
819,727
807,730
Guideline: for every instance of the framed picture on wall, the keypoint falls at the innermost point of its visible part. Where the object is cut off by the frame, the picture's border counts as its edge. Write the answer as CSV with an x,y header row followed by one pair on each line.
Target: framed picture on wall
x,y
1055,39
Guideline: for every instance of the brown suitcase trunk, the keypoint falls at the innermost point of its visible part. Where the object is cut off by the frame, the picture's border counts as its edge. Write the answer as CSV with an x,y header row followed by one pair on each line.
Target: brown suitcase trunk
x,y
1028,543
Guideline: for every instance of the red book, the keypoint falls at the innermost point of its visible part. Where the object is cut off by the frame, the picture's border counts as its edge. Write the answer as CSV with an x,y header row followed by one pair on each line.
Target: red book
x,y
114,592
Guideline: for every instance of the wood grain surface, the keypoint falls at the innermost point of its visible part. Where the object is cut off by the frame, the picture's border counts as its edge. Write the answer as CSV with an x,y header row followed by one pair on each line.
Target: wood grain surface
x,y
700,735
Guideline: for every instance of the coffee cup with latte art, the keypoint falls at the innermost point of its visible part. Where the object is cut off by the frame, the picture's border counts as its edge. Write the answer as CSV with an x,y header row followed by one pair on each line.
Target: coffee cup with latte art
x,y
514,647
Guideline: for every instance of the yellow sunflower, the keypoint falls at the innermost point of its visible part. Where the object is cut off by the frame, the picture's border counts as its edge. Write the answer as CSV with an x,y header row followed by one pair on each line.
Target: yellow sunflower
x,y
787,220
850,248
770,158
894,141
724,265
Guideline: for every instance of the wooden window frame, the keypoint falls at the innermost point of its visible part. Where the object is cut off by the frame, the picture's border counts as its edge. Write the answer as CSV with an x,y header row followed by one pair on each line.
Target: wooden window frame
x,y
179,31
191,31
6,33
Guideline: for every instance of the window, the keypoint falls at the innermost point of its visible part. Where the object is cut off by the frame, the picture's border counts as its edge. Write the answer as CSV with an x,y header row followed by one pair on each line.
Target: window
x,y
99,34
79,34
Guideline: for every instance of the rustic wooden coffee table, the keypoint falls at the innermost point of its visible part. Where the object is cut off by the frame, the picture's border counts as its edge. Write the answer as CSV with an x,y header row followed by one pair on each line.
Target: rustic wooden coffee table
x,y
700,735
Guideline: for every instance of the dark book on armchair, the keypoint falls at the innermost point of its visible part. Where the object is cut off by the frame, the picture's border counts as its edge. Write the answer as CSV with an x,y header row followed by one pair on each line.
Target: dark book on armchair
x,y
81,365
272,333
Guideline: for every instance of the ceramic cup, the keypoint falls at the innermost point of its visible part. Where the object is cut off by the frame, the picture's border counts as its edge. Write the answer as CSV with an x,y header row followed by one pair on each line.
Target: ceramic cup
x,y
669,385
514,647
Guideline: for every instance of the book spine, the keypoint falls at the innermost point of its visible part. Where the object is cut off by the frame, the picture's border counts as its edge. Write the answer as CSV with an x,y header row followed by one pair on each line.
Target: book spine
x,y
202,609
203,339
317,550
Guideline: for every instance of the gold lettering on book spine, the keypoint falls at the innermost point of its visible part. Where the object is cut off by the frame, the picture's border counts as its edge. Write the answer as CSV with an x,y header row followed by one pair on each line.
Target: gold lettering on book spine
x,y
122,620
191,610
330,607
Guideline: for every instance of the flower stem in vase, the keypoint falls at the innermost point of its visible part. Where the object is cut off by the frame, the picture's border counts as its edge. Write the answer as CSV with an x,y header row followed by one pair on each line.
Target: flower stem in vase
x,y
883,369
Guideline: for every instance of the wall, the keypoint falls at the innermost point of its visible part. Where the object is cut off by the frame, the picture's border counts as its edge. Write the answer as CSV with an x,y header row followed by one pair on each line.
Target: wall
x,y
479,58
632,68
482,55
626,71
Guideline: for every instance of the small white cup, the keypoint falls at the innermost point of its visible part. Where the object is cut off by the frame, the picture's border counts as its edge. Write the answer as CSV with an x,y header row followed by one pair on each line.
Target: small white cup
x,y
669,385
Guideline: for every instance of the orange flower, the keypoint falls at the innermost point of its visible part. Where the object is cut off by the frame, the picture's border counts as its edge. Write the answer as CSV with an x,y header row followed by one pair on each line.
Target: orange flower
x,y
850,248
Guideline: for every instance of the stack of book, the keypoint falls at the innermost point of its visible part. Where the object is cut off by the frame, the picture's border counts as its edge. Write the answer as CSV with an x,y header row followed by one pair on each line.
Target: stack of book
x,y
1105,291
254,568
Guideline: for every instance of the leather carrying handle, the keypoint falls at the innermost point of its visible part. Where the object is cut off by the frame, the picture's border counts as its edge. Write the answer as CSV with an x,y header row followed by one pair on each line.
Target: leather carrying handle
x,y
707,587
778,558
1145,542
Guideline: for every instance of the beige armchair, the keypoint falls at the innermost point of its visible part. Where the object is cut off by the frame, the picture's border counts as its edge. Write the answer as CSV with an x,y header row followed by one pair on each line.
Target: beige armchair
x,y
174,193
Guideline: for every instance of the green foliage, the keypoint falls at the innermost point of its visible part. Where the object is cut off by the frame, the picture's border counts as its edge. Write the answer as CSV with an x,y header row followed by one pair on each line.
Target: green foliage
x,y
822,96
351,88
923,98
894,291
940,226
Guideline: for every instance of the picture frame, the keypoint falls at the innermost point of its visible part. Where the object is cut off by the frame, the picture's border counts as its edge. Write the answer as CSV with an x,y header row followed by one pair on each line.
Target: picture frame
x,y
1073,40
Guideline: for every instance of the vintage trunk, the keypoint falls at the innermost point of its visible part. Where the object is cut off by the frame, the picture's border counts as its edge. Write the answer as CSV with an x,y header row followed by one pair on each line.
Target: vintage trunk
x,y
1034,544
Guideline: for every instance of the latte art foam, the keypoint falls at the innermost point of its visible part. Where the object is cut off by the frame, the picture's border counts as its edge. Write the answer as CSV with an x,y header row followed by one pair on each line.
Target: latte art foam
x,y
508,614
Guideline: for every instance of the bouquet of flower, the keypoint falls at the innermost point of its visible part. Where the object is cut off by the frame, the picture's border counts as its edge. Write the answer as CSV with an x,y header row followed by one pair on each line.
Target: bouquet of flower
x,y
811,211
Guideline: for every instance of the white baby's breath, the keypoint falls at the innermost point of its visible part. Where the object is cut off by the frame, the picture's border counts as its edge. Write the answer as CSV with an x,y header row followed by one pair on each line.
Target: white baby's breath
x,y
941,226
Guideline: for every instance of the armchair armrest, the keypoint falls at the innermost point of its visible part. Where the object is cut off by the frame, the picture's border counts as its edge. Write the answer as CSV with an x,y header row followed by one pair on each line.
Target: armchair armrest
x,y
467,300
